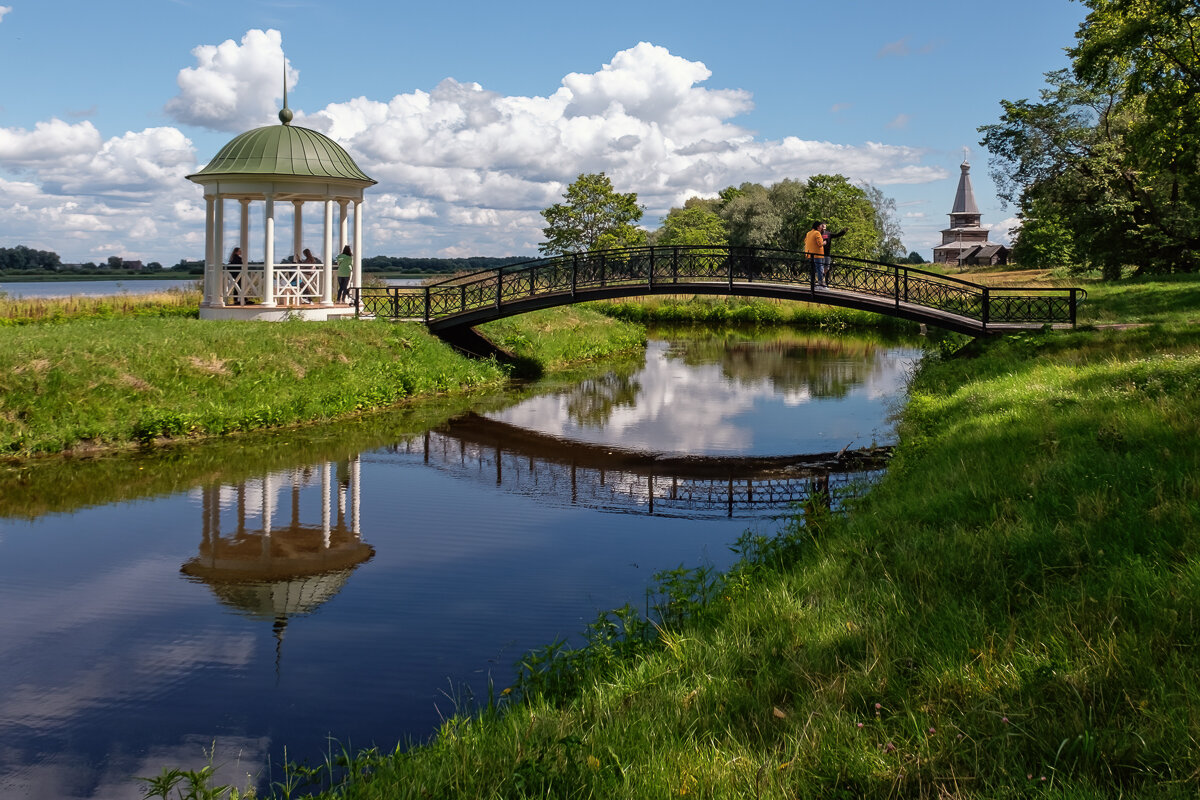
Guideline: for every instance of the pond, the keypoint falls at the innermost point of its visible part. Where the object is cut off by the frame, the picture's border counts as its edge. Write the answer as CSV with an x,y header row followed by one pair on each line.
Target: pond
x,y
359,583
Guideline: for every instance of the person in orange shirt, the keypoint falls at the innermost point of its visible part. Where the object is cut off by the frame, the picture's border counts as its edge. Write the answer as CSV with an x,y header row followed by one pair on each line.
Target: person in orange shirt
x,y
814,247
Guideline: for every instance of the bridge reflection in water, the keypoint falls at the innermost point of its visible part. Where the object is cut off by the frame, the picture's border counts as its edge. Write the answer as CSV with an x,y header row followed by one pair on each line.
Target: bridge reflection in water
x,y
619,480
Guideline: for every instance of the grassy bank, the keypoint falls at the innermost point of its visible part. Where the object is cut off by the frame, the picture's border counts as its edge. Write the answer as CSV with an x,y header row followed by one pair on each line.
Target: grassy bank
x,y
705,310
1012,612
111,381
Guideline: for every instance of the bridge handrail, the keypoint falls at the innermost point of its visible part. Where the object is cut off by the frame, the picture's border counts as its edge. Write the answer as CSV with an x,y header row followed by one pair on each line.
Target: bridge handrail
x,y
658,266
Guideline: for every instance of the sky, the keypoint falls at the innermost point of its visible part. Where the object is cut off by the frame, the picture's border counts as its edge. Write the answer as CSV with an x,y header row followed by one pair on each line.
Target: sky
x,y
475,116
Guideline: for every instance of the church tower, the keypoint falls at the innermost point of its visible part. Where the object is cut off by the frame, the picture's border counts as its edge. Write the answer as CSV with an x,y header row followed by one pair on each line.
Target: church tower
x,y
965,242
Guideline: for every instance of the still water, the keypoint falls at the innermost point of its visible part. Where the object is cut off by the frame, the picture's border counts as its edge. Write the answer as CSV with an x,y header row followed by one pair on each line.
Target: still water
x,y
359,583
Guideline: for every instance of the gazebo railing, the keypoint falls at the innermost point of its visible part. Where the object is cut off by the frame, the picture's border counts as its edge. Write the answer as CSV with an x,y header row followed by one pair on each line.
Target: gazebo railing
x,y
293,284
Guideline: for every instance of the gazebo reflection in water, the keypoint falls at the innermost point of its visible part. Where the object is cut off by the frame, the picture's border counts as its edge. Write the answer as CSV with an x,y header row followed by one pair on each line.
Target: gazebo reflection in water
x,y
272,565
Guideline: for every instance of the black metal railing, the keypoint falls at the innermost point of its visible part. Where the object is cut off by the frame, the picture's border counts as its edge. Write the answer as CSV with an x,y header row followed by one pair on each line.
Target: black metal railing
x,y
885,288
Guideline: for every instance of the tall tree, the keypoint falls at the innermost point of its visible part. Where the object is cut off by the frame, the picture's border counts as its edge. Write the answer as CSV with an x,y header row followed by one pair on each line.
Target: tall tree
x,y
593,215
697,223
1112,149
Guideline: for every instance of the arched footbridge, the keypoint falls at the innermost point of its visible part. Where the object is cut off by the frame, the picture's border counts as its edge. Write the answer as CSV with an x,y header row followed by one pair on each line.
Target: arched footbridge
x,y
899,291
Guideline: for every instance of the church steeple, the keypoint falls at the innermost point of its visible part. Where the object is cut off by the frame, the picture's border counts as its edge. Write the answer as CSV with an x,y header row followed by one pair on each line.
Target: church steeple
x,y
964,213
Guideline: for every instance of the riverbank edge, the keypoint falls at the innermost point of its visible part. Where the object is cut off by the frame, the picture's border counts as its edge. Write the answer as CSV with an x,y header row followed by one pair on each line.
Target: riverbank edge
x,y
1010,612
96,386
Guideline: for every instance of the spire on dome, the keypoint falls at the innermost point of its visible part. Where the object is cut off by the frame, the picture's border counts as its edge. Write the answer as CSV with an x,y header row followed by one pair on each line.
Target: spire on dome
x,y
285,113
964,199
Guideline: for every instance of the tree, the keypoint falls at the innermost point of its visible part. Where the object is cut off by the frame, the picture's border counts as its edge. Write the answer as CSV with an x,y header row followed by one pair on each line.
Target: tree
x,y
1111,152
593,215
834,200
697,223
1044,238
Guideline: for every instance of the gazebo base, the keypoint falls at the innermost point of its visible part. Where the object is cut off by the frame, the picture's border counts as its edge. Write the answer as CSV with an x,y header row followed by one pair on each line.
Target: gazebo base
x,y
315,313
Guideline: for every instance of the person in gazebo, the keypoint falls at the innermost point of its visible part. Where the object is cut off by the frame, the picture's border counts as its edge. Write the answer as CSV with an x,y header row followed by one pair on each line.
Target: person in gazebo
x,y
344,261
309,258
236,256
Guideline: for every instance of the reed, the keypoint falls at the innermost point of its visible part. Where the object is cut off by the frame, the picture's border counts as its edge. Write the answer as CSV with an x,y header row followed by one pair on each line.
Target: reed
x,y
183,302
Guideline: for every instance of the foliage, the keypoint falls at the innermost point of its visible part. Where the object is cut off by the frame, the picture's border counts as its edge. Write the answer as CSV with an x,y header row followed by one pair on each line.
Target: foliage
x,y
781,216
1112,149
697,223
1044,238
594,216
22,257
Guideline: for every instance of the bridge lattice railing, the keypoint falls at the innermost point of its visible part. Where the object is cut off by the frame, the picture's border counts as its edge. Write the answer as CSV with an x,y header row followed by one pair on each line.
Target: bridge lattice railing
x,y
693,266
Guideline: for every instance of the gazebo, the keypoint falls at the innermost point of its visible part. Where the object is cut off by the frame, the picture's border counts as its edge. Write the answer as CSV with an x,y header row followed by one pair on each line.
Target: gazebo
x,y
272,165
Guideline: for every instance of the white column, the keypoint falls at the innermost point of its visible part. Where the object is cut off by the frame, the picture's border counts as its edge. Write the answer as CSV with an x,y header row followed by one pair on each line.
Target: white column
x,y
268,292
244,243
343,228
356,274
218,298
356,489
297,229
325,504
327,254
210,261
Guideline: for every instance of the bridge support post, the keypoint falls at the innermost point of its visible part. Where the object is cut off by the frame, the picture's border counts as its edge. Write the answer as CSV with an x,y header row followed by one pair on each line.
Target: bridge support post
x,y
896,282
574,273
499,286
1074,306
650,270
426,305
987,307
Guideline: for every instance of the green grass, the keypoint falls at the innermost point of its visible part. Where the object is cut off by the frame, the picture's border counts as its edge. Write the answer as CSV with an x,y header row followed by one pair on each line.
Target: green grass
x,y
102,382
1012,612
721,311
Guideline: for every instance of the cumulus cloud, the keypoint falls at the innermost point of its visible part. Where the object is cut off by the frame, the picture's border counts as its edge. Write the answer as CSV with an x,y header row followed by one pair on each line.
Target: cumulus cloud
x,y
233,86
461,168
470,155
4,10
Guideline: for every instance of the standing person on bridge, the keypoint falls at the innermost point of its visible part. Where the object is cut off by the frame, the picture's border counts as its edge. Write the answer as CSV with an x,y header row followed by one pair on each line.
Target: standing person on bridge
x,y
814,247
344,260
828,238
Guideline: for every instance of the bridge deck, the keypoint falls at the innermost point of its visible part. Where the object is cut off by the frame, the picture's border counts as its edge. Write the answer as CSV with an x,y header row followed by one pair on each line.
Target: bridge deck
x,y
930,298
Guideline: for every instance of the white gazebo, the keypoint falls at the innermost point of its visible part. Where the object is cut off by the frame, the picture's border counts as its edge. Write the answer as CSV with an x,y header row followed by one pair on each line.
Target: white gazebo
x,y
273,165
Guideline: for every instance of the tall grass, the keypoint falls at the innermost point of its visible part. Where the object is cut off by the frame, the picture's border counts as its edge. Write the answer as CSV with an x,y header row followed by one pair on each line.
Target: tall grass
x,y
181,302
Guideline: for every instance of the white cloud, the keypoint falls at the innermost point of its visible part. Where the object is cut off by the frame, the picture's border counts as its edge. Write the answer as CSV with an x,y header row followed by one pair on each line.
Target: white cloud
x,y
900,121
233,87
460,168
4,10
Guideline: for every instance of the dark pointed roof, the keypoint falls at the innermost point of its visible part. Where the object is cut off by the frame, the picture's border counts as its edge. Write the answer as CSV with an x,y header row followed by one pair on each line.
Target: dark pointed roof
x,y
964,198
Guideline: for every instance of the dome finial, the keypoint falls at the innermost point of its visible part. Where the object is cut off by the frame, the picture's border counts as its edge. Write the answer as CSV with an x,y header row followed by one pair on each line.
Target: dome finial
x,y
285,113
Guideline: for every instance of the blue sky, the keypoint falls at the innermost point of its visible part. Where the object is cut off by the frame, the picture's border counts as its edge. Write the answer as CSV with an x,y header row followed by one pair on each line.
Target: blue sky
x,y
474,116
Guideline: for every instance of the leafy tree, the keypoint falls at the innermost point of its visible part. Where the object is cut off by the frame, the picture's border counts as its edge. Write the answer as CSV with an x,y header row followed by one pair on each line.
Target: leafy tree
x,y
593,214
913,258
835,201
751,216
1044,238
1111,152
697,223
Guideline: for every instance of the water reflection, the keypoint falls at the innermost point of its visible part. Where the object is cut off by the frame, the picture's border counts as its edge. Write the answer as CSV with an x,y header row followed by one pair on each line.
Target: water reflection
x,y
489,535
274,569
733,395
610,478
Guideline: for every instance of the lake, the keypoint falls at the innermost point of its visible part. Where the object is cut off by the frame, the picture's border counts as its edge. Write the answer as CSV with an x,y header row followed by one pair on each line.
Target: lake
x,y
16,289
360,583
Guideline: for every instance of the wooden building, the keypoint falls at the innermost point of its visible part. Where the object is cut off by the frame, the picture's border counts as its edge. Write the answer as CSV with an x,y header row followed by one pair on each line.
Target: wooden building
x,y
965,243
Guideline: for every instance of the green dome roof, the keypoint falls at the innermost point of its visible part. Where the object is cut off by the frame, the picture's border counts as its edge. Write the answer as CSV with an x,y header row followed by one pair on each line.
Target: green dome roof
x,y
283,150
